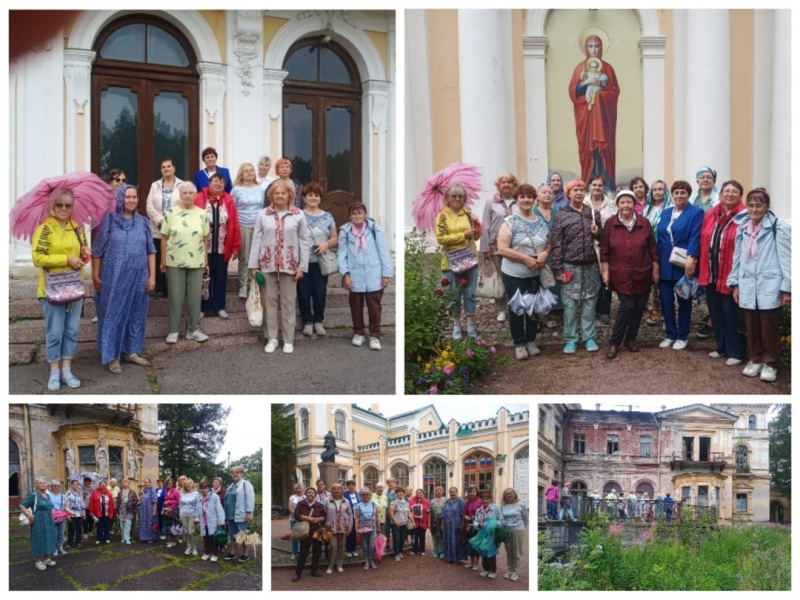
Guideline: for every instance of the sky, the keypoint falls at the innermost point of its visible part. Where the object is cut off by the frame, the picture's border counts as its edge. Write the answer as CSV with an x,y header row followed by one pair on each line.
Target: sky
x,y
245,433
462,411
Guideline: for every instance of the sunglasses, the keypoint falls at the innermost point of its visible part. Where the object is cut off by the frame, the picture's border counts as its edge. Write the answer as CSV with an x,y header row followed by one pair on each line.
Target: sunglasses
x,y
62,205
120,180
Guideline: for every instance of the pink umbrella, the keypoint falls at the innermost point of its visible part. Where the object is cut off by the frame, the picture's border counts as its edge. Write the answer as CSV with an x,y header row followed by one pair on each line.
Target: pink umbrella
x,y
60,515
380,545
430,201
93,200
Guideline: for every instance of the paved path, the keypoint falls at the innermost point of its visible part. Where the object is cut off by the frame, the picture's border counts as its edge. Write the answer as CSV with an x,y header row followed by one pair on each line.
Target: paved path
x,y
411,573
139,567
234,365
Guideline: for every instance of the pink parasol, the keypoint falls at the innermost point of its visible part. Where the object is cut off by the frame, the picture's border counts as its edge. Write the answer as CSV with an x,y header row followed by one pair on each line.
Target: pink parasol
x,y
94,199
430,201
380,545
60,515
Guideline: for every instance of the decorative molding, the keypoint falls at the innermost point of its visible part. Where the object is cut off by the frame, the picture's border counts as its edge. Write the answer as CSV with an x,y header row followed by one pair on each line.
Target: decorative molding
x,y
213,81
328,18
376,93
245,47
78,76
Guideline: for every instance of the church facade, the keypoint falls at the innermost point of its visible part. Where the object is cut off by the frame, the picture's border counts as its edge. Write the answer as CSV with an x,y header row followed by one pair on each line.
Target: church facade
x,y
416,449
56,440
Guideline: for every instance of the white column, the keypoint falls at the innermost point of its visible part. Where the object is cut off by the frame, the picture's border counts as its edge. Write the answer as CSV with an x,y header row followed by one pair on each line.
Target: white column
x,y
78,77
763,48
213,84
391,142
244,107
375,124
653,50
780,184
486,95
708,114
273,106
534,53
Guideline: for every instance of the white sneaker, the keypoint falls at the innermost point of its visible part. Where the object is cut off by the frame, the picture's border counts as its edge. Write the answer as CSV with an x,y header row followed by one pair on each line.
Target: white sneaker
x,y
94,319
197,336
319,329
514,577
288,348
329,571
358,340
752,369
214,558
308,330
732,362
374,343
492,574
679,345
188,551
521,352
223,314
501,316
768,373
205,557
340,569
271,346
483,573
716,354
666,343
348,554
194,551
507,575
243,292
396,559
172,338
532,349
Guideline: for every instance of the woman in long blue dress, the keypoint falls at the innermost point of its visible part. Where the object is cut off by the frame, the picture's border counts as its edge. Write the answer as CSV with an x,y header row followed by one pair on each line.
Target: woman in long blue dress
x,y
452,516
123,272
147,514
38,508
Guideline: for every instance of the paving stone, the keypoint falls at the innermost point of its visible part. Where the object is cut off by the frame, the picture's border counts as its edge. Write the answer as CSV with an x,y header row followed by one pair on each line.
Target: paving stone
x,y
236,581
173,578
50,580
111,570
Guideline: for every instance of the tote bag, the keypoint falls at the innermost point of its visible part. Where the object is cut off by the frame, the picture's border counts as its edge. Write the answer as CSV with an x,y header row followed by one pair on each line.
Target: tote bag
x,y
490,285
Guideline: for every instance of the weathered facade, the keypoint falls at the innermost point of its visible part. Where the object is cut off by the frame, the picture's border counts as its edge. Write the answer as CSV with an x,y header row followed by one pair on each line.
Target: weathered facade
x,y
115,440
705,455
551,446
417,448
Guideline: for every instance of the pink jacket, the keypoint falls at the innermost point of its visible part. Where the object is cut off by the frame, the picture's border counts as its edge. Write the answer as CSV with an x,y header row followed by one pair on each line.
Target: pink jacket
x,y
172,499
551,494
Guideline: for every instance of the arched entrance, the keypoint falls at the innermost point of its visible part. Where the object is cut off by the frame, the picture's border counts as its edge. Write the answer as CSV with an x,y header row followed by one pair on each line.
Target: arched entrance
x,y
776,512
144,100
612,486
322,121
14,472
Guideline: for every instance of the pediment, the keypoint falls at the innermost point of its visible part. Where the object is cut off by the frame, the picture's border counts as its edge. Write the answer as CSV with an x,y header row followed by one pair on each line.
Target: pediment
x,y
699,412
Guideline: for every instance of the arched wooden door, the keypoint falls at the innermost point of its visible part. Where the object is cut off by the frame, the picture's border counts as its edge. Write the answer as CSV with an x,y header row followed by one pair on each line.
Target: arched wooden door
x,y
322,122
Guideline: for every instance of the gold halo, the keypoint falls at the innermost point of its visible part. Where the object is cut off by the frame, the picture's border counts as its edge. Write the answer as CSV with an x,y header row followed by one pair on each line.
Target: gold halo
x,y
593,31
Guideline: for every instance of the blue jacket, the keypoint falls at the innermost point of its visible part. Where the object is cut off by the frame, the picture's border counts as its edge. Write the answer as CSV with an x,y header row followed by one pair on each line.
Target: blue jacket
x,y
245,499
685,233
368,266
200,179
761,281
214,513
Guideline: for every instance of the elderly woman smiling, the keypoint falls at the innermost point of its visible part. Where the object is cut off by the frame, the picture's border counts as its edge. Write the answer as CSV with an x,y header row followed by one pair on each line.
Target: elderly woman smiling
x,y
502,206
38,508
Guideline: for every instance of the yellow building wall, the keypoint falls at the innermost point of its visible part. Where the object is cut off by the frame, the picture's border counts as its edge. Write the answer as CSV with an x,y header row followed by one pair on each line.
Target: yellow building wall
x,y
667,18
380,40
742,70
271,27
423,423
217,22
442,32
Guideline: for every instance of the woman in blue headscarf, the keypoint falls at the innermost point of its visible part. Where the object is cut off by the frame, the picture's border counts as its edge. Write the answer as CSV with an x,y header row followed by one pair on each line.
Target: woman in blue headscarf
x,y
556,182
707,195
658,198
123,272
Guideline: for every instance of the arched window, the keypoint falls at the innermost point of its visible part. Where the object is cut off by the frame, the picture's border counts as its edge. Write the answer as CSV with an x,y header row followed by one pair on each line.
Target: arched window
x,y
13,468
578,488
643,488
612,486
341,427
478,471
751,422
304,424
400,474
434,474
741,459
370,477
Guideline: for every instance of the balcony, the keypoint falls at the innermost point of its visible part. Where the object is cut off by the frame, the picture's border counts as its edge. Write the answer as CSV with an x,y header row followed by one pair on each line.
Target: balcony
x,y
689,459
117,414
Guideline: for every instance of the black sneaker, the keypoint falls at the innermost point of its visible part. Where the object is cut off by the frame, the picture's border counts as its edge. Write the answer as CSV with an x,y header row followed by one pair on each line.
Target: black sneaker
x,y
229,556
244,558
705,331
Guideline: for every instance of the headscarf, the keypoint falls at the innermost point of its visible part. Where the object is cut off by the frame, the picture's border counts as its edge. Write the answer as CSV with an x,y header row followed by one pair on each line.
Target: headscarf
x,y
116,216
655,218
713,199
559,199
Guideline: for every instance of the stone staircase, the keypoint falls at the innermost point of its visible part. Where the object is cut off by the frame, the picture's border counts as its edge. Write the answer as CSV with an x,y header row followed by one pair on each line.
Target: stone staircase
x,y
27,329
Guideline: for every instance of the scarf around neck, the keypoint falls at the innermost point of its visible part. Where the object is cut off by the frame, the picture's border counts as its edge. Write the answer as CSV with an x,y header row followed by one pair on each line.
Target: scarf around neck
x,y
752,231
360,241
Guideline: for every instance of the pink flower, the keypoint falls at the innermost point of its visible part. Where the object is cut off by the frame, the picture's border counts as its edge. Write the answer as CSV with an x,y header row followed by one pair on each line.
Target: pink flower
x,y
448,370
470,353
492,350
433,390
445,282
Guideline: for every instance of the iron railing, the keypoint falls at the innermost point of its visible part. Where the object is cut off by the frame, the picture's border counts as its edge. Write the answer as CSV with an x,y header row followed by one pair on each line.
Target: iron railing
x,y
640,510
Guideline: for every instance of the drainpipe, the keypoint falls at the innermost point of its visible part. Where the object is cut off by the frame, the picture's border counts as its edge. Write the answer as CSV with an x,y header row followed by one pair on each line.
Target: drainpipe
x,y
658,453
28,446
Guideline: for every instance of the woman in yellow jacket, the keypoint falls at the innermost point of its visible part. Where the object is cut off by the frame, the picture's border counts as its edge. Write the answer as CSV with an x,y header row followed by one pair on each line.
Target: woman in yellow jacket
x,y
59,245
457,229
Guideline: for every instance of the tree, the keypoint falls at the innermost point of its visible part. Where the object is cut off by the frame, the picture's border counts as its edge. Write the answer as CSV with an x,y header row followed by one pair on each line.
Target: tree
x,y
780,449
190,437
253,465
282,433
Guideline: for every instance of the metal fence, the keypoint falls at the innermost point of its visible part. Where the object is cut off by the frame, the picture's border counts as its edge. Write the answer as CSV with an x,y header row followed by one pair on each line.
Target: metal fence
x,y
584,508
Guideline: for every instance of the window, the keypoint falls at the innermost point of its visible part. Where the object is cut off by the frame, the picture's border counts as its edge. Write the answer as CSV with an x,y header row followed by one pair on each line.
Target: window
x,y
578,488
541,500
304,424
343,478
558,437
478,471
400,473
702,495
341,428
306,478
645,445
370,477
115,463
86,456
556,474
542,418
741,503
13,468
751,422
611,486
740,458
434,474
688,448
705,449
612,444
643,488
686,494
579,443
541,465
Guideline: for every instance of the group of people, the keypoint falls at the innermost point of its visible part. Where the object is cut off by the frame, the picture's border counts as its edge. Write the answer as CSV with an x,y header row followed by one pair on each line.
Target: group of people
x,y
166,512
654,245
274,227
405,516
622,507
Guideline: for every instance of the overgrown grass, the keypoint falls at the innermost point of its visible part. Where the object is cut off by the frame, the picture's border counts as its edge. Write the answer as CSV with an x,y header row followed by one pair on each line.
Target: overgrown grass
x,y
749,557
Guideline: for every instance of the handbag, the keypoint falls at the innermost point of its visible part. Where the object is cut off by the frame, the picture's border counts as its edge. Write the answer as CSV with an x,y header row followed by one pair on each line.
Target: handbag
x,y
23,518
206,293
168,512
177,530
328,263
546,277
677,258
490,285
595,242
463,259
63,287
300,530
253,306
220,537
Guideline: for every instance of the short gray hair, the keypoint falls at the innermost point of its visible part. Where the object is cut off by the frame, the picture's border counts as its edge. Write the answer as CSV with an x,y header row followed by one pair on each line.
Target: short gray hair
x,y
455,187
55,482
265,159
186,184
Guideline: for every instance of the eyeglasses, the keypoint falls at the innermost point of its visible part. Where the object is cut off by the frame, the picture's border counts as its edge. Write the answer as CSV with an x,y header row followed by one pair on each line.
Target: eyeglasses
x,y
61,205
120,180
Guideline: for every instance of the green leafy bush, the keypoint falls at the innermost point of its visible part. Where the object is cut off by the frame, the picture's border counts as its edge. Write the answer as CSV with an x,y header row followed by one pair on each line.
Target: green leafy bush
x,y
425,311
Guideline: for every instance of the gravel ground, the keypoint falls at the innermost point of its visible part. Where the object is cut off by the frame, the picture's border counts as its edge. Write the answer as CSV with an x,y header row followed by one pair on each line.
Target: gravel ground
x,y
411,573
651,371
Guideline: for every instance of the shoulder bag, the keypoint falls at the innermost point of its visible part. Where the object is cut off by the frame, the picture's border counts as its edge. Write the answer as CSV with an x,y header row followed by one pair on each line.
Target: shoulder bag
x,y
677,258
23,518
300,530
546,277
490,284
328,262
463,259
65,286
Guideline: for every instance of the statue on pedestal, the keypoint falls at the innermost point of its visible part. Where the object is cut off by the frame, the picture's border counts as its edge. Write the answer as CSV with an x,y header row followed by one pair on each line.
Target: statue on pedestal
x,y
70,460
102,459
131,461
713,496
692,496
330,452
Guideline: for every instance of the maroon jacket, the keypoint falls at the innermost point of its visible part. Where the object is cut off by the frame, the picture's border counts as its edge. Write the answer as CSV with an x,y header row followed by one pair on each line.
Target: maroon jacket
x,y
630,255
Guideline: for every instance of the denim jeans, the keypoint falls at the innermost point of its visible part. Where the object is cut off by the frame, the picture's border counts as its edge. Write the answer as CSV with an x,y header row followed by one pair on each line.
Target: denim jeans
x,y
419,540
399,534
562,511
311,291
467,293
725,318
60,532
523,328
103,529
217,288
668,295
571,318
295,543
552,510
368,545
61,324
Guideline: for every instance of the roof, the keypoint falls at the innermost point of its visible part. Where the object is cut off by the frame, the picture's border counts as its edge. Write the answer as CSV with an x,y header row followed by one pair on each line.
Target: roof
x,y
679,409
369,412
